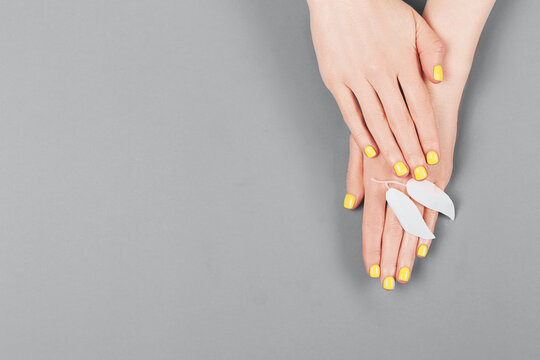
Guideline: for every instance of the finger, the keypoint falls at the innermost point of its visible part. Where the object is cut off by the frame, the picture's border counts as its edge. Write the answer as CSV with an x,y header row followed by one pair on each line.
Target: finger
x,y
430,50
430,217
372,227
421,110
355,180
377,123
402,126
407,254
406,257
353,118
391,240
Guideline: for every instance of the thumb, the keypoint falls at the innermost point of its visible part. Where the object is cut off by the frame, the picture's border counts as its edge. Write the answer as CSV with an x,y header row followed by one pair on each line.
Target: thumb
x,y
430,49
355,178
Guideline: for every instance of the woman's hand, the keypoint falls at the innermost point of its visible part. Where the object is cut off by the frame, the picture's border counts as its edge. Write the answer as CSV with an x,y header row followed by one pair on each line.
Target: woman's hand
x,y
389,252
368,51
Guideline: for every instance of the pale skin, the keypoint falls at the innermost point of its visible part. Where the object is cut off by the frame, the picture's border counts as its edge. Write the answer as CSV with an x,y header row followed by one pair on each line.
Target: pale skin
x,y
386,247
369,53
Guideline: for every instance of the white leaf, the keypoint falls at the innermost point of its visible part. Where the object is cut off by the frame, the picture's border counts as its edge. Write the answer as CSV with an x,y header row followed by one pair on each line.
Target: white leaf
x,y
429,195
408,214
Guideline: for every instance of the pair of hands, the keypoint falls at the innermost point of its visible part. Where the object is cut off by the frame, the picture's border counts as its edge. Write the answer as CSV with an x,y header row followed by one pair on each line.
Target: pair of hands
x,y
382,57
389,252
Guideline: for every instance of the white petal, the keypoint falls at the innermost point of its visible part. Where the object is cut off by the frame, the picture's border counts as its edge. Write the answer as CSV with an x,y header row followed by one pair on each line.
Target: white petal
x,y
429,195
408,214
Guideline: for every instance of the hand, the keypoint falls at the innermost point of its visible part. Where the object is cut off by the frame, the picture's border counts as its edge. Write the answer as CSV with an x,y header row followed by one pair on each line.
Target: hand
x,y
368,51
389,252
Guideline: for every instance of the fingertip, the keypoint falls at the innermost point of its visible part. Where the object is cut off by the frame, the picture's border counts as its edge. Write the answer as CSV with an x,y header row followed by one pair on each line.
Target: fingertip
x,y
437,74
422,251
404,275
351,201
401,169
389,283
370,151
420,173
374,271
432,157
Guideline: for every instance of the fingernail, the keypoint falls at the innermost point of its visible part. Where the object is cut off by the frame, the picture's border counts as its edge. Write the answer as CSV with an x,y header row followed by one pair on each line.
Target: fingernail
x,y
400,169
432,158
422,251
370,151
374,271
404,274
349,201
420,173
437,73
389,283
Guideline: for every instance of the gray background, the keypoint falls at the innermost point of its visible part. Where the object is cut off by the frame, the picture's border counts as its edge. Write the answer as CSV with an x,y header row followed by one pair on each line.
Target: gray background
x,y
172,186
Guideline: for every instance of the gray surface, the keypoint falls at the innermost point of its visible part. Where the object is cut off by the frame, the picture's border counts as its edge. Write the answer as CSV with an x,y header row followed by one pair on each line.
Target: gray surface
x,y
172,186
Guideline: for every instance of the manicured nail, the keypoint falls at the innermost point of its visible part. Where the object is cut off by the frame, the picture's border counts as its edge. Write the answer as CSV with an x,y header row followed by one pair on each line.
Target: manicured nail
x,y
389,283
370,151
432,157
404,274
420,173
374,271
400,168
422,251
349,201
437,73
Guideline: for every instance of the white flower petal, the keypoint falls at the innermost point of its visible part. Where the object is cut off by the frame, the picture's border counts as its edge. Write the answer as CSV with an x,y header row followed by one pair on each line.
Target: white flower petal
x,y
429,195
408,214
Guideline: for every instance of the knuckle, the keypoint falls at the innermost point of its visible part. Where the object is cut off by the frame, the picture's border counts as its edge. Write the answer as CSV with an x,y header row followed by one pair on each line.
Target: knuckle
x,y
353,176
371,223
358,136
372,253
398,123
438,47
376,67
421,109
394,228
414,158
430,141
331,83
388,268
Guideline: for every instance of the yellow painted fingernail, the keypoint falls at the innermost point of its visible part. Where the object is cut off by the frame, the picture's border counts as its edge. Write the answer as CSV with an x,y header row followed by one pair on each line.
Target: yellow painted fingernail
x,y
400,169
422,251
389,283
374,271
432,157
370,151
349,201
437,73
404,274
420,173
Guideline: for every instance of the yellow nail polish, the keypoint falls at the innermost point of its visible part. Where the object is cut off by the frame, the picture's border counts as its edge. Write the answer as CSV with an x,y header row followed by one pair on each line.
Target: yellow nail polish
x,y
374,271
349,201
400,168
404,274
389,283
437,73
370,151
432,157
420,173
422,251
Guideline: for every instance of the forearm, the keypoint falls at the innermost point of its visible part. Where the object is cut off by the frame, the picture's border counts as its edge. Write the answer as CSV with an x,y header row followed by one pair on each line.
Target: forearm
x,y
459,24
